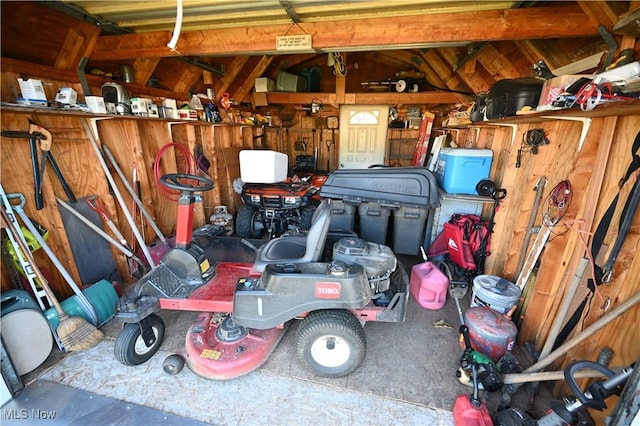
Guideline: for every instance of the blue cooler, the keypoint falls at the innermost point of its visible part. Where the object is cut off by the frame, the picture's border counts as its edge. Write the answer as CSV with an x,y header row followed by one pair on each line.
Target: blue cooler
x,y
459,170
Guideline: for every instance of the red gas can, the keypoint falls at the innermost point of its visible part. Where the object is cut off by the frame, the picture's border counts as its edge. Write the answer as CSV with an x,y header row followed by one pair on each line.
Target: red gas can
x,y
465,413
490,332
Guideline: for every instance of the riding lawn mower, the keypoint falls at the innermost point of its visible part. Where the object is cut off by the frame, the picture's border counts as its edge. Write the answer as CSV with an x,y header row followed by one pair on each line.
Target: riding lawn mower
x,y
333,282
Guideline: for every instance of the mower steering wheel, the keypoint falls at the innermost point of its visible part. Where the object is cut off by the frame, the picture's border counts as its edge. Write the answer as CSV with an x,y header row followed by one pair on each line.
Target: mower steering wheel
x,y
172,181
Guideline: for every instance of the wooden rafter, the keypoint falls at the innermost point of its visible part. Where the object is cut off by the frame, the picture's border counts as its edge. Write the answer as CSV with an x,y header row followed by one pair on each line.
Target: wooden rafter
x,y
189,77
496,63
471,78
230,75
79,42
143,69
451,79
244,89
599,13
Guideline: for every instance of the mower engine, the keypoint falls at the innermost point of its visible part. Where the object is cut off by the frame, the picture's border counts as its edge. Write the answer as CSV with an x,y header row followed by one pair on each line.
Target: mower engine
x,y
378,261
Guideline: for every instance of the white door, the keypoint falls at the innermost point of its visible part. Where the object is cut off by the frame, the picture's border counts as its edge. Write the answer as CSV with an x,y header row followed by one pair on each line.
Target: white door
x,y
363,135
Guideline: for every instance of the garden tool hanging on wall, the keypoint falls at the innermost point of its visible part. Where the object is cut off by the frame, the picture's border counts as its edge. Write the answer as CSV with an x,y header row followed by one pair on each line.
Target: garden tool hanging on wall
x,y
39,134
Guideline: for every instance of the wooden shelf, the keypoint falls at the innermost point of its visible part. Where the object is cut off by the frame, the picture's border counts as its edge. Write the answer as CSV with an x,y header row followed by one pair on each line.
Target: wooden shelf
x,y
621,108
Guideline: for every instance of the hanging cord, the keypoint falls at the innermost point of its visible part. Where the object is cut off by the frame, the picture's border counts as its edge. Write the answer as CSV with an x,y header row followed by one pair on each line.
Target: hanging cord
x,y
339,66
591,95
557,203
531,140
190,162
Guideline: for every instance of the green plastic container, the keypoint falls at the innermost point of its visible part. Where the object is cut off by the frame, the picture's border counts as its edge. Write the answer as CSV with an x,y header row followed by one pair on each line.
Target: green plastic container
x,y
102,296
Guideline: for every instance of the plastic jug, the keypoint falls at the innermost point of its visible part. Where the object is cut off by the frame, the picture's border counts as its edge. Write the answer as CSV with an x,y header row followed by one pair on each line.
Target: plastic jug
x,y
428,285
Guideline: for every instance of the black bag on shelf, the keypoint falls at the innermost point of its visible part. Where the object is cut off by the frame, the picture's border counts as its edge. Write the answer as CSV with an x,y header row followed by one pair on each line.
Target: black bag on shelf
x,y
508,96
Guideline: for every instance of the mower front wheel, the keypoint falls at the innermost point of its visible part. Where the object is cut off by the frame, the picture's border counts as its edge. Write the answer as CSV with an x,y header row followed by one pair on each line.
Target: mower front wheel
x,y
249,223
130,347
331,342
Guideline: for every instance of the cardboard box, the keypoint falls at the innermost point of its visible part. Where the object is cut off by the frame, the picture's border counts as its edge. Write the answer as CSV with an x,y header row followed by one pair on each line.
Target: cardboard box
x,y
187,114
152,111
32,89
259,99
263,84
170,108
96,104
140,106
66,95
554,87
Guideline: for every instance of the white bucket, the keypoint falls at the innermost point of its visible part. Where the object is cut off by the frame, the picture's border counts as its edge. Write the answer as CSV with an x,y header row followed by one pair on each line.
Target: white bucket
x,y
496,292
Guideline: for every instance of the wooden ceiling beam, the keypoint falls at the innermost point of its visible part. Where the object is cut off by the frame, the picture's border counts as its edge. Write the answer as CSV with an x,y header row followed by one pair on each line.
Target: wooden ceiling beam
x,y
360,34
392,98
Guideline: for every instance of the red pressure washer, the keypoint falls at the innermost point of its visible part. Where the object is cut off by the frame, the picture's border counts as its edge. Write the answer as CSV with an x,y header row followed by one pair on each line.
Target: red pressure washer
x,y
245,307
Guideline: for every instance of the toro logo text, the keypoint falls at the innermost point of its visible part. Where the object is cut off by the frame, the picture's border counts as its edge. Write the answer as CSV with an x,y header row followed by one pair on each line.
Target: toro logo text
x,y
327,290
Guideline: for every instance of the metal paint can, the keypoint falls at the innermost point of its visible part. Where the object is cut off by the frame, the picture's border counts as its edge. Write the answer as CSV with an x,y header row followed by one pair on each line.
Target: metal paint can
x,y
126,72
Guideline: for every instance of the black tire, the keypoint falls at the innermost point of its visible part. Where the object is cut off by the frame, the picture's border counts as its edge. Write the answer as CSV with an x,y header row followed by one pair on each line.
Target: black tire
x,y
173,364
248,223
306,215
130,348
331,343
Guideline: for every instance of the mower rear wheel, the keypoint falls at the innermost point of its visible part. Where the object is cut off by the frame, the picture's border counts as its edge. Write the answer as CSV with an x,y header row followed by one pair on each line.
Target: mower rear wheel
x,y
331,342
249,223
131,349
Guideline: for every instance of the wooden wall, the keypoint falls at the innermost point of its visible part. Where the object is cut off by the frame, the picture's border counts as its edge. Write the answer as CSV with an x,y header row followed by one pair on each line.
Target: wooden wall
x,y
594,170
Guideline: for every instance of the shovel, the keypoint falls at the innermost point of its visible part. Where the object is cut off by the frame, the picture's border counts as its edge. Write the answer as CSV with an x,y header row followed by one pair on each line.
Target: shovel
x,y
457,289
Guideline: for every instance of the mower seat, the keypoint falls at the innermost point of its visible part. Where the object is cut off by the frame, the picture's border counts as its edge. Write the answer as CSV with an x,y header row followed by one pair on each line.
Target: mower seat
x,y
300,248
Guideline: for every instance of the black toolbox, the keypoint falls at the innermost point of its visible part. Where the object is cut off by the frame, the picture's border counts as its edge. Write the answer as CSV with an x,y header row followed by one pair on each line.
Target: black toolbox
x,y
391,187
508,96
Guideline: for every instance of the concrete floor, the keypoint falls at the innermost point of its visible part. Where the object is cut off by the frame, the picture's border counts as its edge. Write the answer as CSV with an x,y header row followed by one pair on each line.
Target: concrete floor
x,y
408,378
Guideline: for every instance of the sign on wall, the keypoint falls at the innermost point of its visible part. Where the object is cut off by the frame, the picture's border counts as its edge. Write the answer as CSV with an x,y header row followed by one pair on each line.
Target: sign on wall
x,y
293,42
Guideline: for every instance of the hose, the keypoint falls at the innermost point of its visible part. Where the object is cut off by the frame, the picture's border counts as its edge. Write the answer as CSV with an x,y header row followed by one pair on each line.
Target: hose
x,y
191,168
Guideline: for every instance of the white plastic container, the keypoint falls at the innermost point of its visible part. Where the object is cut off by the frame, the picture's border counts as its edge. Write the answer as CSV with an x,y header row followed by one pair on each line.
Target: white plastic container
x,y
261,166
495,292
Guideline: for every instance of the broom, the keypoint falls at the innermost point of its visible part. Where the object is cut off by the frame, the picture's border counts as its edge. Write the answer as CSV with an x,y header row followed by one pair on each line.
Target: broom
x,y
75,333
